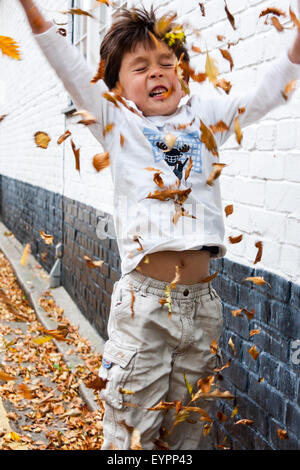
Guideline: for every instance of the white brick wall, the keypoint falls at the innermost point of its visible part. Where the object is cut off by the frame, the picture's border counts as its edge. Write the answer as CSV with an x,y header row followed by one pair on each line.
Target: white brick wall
x,y
262,178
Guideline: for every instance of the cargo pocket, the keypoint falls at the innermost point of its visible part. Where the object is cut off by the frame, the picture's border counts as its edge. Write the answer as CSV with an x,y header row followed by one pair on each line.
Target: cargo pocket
x,y
117,365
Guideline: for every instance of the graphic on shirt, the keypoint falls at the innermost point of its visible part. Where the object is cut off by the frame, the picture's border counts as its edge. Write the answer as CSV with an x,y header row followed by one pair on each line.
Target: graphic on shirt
x,y
186,145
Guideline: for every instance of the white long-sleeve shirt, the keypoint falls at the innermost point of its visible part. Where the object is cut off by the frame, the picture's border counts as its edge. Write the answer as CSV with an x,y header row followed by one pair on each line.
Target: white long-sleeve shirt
x,y
135,215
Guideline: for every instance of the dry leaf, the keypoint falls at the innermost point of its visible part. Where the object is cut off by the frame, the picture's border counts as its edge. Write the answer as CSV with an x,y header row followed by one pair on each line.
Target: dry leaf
x,y
9,47
241,110
2,117
101,161
220,37
254,332
290,87
136,239
259,246
42,339
275,22
234,412
136,440
257,280
230,17
77,11
226,54
48,239
282,434
219,369
204,385
97,383
210,278
237,312
228,210
221,417
25,391
249,314
124,391
110,98
26,253
208,139
273,11
237,130
158,180
100,72
87,117
220,126
170,193
245,421
132,301
63,137
231,344
6,377
164,24
188,169
42,139
211,69
213,347
224,84
196,49
108,128
216,172
122,140
236,239
253,352
170,140
92,263
76,155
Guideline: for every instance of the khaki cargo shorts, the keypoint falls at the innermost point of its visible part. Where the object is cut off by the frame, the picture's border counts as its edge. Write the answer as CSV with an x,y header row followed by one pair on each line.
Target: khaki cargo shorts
x,y
150,353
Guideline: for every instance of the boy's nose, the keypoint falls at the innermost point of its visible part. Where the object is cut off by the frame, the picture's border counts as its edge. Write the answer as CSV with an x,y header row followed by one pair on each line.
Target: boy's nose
x,y
156,74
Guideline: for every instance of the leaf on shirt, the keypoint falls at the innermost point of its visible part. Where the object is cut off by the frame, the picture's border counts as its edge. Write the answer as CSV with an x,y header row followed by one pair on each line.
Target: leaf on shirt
x,y
259,280
110,98
87,117
289,88
42,139
9,47
208,139
150,168
253,352
180,211
226,54
77,11
101,161
220,126
228,209
224,84
211,69
92,263
202,8
100,72
63,137
221,417
259,246
204,385
273,11
294,19
237,130
158,180
108,128
236,239
241,110
48,239
76,155
216,172
230,17
276,23
132,301
188,169
220,37
62,32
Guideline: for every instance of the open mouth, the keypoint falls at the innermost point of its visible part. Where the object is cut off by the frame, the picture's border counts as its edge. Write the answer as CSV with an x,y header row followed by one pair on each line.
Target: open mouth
x,y
158,91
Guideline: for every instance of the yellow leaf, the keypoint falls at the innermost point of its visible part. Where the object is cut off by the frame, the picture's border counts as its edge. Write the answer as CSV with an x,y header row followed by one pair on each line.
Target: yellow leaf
x,y
188,386
257,280
253,352
42,339
211,69
231,344
42,139
26,252
13,436
9,47
234,412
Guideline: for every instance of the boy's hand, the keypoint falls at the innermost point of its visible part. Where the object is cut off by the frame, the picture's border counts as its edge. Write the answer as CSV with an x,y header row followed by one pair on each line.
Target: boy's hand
x,y
35,18
294,51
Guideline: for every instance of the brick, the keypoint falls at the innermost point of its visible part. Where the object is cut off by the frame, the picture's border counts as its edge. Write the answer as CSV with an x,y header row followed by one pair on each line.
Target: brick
x,y
237,374
292,443
269,369
292,418
267,398
239,324
287,382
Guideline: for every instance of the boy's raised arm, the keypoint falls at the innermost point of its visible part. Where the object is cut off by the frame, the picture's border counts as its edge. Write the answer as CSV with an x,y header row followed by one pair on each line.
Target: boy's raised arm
x,y
35,18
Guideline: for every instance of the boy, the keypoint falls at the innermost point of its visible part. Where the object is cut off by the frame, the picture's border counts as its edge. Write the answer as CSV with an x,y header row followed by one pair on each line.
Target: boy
x,y
161,335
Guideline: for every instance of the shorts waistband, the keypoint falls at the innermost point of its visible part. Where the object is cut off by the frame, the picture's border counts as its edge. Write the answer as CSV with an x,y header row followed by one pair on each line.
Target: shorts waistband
x,y
181,291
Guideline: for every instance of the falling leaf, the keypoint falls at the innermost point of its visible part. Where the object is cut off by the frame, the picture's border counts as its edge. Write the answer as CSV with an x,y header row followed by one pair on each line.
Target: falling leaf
x,y
273,11
290,87
224,84
294,19
58,334
241,110
42,139
169,193
259,246
3,117
214,394
237,312
196,49
150,168
124,391
254,332
188,169
204,385
219,369
207,428
211,69
216,172
63,137
253,352
210,278
48,239
87,117
6,377
158,180
234,412
9,47
202,8
100,72
231,344
282,434
236,239
163,25
188,385
110,98
208,139
101,161
228,210
220,126
245,421
26,253
136,239
163,405
257,280
62,32
230,17
226,54
76,155
97,383
105,2
221,417
237,130
275,22
77,11
220,37
92,263
249,314
261,379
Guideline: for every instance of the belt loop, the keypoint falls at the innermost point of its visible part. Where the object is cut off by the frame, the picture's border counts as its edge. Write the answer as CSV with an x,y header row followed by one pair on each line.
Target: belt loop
x,y
145,284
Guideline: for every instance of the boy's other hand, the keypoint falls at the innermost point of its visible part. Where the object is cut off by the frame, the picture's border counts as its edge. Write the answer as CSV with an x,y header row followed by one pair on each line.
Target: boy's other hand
x,y
294,51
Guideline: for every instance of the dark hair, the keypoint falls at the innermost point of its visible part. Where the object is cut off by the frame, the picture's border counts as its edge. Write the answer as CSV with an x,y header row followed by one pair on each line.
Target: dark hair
x,y
129,28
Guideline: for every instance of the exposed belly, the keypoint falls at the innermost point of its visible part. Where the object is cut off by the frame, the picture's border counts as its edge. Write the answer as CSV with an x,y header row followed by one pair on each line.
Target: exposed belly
x,y
193,266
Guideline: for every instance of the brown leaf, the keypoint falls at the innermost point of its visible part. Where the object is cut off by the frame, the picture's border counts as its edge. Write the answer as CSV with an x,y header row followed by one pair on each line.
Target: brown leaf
x,y
253,352
169,193
110,98
164,24
259,246
196,49
213,347
204,385
224,84
100,72
208,139
275,22
221,417
42,139
241,110
220,37
237,130
108,128
188,169
136,239
158,180
63,137
132,301
226,54
249,314
202,8
230,16
92,263
101,161
48,239
163,405
87,117
210,278
245,421
122,140
3,117
257,280
6,377
273,11
220,126
237,312
25,391
236,239
77,11
76,155
228,210
216,172
254,332
282,433
62,32
97,383
223,367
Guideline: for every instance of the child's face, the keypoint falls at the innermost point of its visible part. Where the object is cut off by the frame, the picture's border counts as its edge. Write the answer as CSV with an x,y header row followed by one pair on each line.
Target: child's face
x,y
144,69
